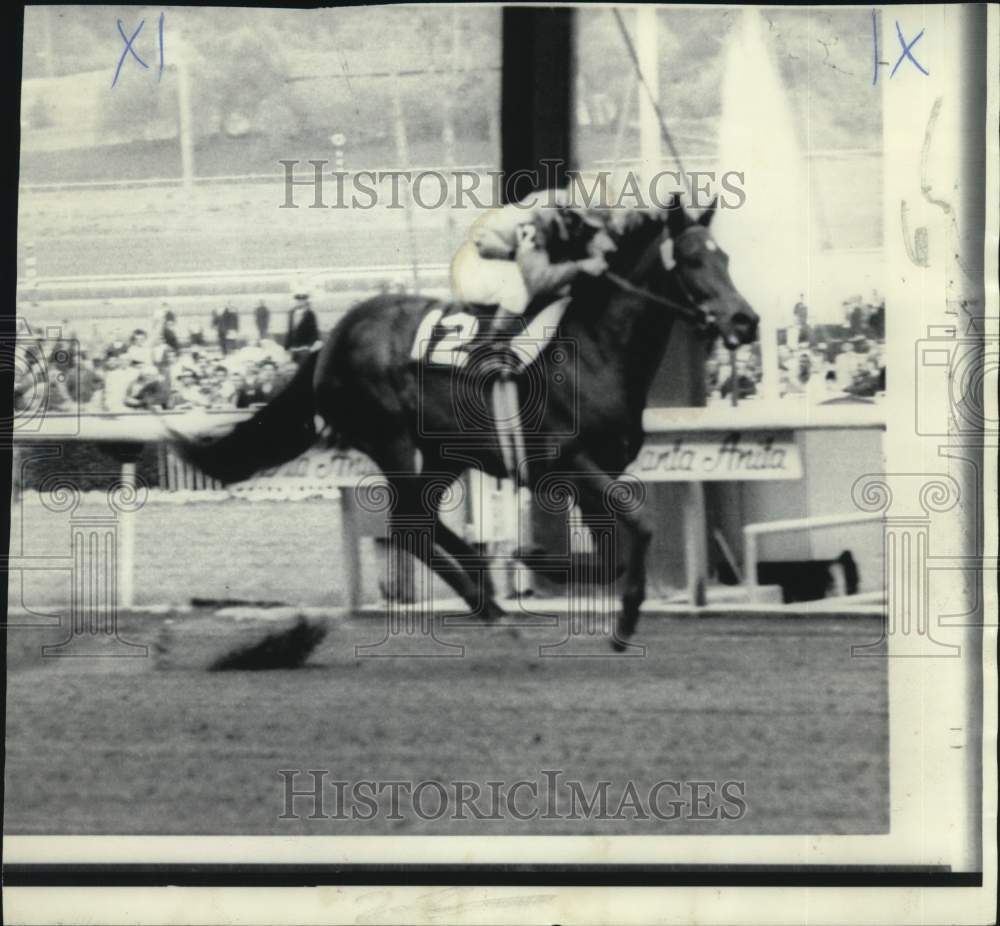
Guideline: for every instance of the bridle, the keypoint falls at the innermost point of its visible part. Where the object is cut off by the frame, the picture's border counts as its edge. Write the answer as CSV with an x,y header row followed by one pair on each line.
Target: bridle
x,y
689,310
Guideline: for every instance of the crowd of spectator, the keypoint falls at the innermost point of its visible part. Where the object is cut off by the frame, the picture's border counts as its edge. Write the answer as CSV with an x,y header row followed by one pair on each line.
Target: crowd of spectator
x,y
819,362
166,366
170,366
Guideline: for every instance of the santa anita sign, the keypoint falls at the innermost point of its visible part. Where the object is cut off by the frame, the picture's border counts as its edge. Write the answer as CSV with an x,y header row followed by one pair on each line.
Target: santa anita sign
x,y
731,456
319,472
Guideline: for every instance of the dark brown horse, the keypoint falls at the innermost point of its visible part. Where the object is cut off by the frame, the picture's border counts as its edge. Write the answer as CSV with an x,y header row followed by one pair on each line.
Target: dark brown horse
x,y
581,401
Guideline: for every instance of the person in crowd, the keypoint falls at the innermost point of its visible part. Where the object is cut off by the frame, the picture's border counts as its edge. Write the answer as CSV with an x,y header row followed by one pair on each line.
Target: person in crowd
x,y
83,382
798,375
804,368
196,335
139,348
744,379
712,374
168,334
147,390
31,384
262,319
226,324
801,333
117,380
166,362
188,393
215,384
303,328
233,391
231,328
855,317
267,384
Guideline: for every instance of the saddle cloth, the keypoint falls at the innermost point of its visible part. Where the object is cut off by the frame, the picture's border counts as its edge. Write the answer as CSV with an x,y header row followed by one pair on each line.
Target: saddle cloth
x,y
449,331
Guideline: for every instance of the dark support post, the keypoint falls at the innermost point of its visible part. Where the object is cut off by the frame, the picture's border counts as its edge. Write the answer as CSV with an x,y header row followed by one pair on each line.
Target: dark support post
x,y
536,153
537,98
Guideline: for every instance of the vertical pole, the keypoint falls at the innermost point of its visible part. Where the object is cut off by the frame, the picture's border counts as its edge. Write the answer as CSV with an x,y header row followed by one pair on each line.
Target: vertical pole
x,y
350,548
649,127
537,113
770,379
750,563
695,542
184,126
537,90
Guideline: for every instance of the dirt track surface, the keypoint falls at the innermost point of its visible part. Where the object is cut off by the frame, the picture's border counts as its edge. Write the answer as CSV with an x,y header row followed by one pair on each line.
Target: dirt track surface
x,y
118,746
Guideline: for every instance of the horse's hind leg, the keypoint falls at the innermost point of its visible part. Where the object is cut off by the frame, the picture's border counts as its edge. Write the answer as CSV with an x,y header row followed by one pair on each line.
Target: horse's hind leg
x,y
601,496
412,521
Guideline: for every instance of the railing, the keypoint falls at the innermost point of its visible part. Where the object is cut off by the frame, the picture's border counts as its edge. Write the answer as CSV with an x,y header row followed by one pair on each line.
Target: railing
x,y
706,429
751,532
143,427
32,288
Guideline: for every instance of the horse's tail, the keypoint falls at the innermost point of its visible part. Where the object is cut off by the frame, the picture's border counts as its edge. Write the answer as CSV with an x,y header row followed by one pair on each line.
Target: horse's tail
x,y
280,431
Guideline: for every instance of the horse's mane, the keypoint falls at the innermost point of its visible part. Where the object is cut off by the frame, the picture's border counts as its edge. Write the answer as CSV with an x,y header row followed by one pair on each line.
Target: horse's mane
x,y
592,296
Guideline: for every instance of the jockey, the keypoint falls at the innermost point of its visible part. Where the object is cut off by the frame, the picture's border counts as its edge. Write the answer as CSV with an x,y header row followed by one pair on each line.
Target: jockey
x,y
527,254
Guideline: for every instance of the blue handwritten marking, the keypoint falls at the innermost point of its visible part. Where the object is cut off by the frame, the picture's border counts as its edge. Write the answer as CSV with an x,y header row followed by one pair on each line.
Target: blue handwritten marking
x,y
160,73
128,48
907,53
875,51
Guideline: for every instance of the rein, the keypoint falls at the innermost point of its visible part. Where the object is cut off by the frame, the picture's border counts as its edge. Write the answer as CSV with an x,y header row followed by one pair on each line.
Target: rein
x,y
687,310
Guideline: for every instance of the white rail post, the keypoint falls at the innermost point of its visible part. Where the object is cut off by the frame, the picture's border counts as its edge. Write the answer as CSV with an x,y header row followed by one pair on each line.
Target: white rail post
x,y
695,542
350,547
185,130
750,561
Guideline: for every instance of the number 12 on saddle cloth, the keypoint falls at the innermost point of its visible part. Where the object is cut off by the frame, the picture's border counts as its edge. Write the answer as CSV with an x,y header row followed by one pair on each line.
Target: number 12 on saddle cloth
x,y
445,337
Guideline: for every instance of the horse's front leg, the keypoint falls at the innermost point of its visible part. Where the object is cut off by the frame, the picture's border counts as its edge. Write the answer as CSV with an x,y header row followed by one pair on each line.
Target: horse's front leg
x,y
475,567
600,496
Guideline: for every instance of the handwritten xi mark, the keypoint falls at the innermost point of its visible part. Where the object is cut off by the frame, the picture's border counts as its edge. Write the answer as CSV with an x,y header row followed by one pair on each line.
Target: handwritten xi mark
x,y
130,48
906,53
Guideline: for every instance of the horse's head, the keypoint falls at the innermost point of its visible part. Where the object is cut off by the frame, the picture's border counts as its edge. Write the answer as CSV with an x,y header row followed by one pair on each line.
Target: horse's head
x,y
675,261
699,271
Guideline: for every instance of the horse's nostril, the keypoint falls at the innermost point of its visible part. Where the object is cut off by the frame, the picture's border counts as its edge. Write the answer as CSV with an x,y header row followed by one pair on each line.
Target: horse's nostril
x,y
744,326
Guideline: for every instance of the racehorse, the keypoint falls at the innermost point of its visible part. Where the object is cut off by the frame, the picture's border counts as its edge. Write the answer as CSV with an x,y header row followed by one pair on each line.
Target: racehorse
x,y
419,423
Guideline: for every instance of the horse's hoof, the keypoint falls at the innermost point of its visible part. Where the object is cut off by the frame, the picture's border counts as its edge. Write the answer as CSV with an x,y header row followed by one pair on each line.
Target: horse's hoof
x,y
491,612
628,620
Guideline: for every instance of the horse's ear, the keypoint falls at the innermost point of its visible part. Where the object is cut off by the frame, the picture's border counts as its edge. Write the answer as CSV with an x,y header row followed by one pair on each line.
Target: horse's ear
x,y
705,219
677,218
